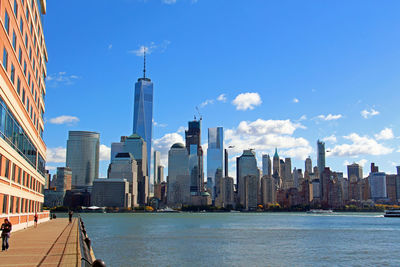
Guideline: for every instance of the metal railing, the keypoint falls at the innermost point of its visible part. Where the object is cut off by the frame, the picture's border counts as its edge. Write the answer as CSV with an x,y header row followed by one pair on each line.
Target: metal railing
x,y
87,259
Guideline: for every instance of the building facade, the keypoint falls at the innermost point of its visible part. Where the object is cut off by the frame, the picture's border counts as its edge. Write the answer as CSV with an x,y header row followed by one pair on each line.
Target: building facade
x,y
195,151
215,158
22,92
178,176
266,165
83,157
64,179
247,166
111,193
320,156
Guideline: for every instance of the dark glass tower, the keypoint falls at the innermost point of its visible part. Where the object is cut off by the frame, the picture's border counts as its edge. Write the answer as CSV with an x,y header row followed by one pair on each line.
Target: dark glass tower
x,y
193,139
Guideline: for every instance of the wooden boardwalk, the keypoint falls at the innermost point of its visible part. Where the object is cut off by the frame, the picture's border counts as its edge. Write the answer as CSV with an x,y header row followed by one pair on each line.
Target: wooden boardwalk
x,y
53,243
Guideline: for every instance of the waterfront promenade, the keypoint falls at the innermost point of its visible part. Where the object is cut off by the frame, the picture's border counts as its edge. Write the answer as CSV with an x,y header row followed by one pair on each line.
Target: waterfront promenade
x,y
52,243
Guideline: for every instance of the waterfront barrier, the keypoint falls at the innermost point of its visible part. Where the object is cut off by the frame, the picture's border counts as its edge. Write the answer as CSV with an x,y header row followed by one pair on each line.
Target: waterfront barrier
x,y
88,259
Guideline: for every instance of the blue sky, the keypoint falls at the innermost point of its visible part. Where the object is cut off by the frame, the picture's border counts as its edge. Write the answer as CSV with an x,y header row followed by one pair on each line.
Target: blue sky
x,y
272,73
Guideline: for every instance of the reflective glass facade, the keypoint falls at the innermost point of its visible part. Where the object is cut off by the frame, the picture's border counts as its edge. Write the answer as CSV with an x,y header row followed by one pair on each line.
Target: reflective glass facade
x,y
215,156
143,113
83,157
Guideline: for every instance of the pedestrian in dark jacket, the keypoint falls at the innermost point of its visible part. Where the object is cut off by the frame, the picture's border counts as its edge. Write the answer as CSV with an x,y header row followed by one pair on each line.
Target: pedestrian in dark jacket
x,y
5,233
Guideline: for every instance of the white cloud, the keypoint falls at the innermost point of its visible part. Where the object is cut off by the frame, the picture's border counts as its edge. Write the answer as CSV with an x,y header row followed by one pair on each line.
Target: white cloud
x,y
152,47
332,139
262,127
64,119
303,118
247,101
366,114
161,125
60,78
361,145
56,154
51,168
265,135
385,134
164,143
295,100
330,117
222,98
105,152
169,2
207,102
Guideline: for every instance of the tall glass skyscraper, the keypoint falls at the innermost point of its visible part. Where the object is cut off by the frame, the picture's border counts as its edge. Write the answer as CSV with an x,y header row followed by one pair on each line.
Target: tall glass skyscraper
x,y
143,112
83,157
321,156
215,156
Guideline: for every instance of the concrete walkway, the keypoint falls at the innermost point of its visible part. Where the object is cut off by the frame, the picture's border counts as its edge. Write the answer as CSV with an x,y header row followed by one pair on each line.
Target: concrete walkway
x,y
53,243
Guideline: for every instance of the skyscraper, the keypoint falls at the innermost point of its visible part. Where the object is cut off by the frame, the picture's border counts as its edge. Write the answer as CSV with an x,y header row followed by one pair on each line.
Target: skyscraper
x,y
195,151
354,170
22,93
308,165
83,157
215,154
64,176
143,111
321,156
178,176
276,167
377,183
266,165
247,166
156,164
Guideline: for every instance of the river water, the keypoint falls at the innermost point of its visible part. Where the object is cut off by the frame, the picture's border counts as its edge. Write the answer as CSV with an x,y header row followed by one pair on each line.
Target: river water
x,y
245,239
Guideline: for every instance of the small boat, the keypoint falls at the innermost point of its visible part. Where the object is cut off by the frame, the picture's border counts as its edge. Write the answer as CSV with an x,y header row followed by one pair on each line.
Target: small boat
x,y
319,211
392,213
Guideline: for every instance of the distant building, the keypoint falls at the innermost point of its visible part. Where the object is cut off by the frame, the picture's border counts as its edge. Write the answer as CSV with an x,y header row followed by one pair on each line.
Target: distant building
x,y
377,183
247,166
252,185
178,176
355,170
83,157
47,177
64,178
266,165
156,165
160,174
124,166
215,158
195,152
321,156
268,190
391,188
308,165
288,178
111,193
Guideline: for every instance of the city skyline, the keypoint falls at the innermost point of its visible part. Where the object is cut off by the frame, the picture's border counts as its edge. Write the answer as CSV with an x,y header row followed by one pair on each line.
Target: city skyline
x,y
290,101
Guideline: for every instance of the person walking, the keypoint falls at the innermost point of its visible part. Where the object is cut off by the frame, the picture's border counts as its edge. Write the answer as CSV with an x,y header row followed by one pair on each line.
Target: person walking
x,y
70,213
5,233
35,219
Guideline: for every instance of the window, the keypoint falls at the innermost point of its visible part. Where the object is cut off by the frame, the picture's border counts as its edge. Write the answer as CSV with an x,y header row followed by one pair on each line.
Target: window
x,y
26,40
23,178
19,175
31,28
27,13
25,68
14,41
5,198
29,79
18,86
20,55
34,63
7,22
12,76
14,170
22,2
7,169
16,8
5,58
22,205
30,53
23,96
11,204
21,25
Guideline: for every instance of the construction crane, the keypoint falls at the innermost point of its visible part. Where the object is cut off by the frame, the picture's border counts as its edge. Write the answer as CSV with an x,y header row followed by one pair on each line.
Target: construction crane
x,y
198,111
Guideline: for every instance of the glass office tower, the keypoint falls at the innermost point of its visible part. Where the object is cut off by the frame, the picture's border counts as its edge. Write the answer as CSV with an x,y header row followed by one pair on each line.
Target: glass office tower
x,y
215,156
83,157
143,113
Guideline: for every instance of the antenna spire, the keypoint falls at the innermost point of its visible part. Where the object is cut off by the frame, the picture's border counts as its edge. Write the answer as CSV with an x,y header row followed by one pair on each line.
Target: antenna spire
x,y
144,62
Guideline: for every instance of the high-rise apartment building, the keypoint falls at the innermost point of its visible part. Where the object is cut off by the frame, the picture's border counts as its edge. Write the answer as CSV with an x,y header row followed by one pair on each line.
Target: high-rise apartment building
x,y
195,151
83,157
321,156
23,71
266,165
143,112
377,183
308,165
215,157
